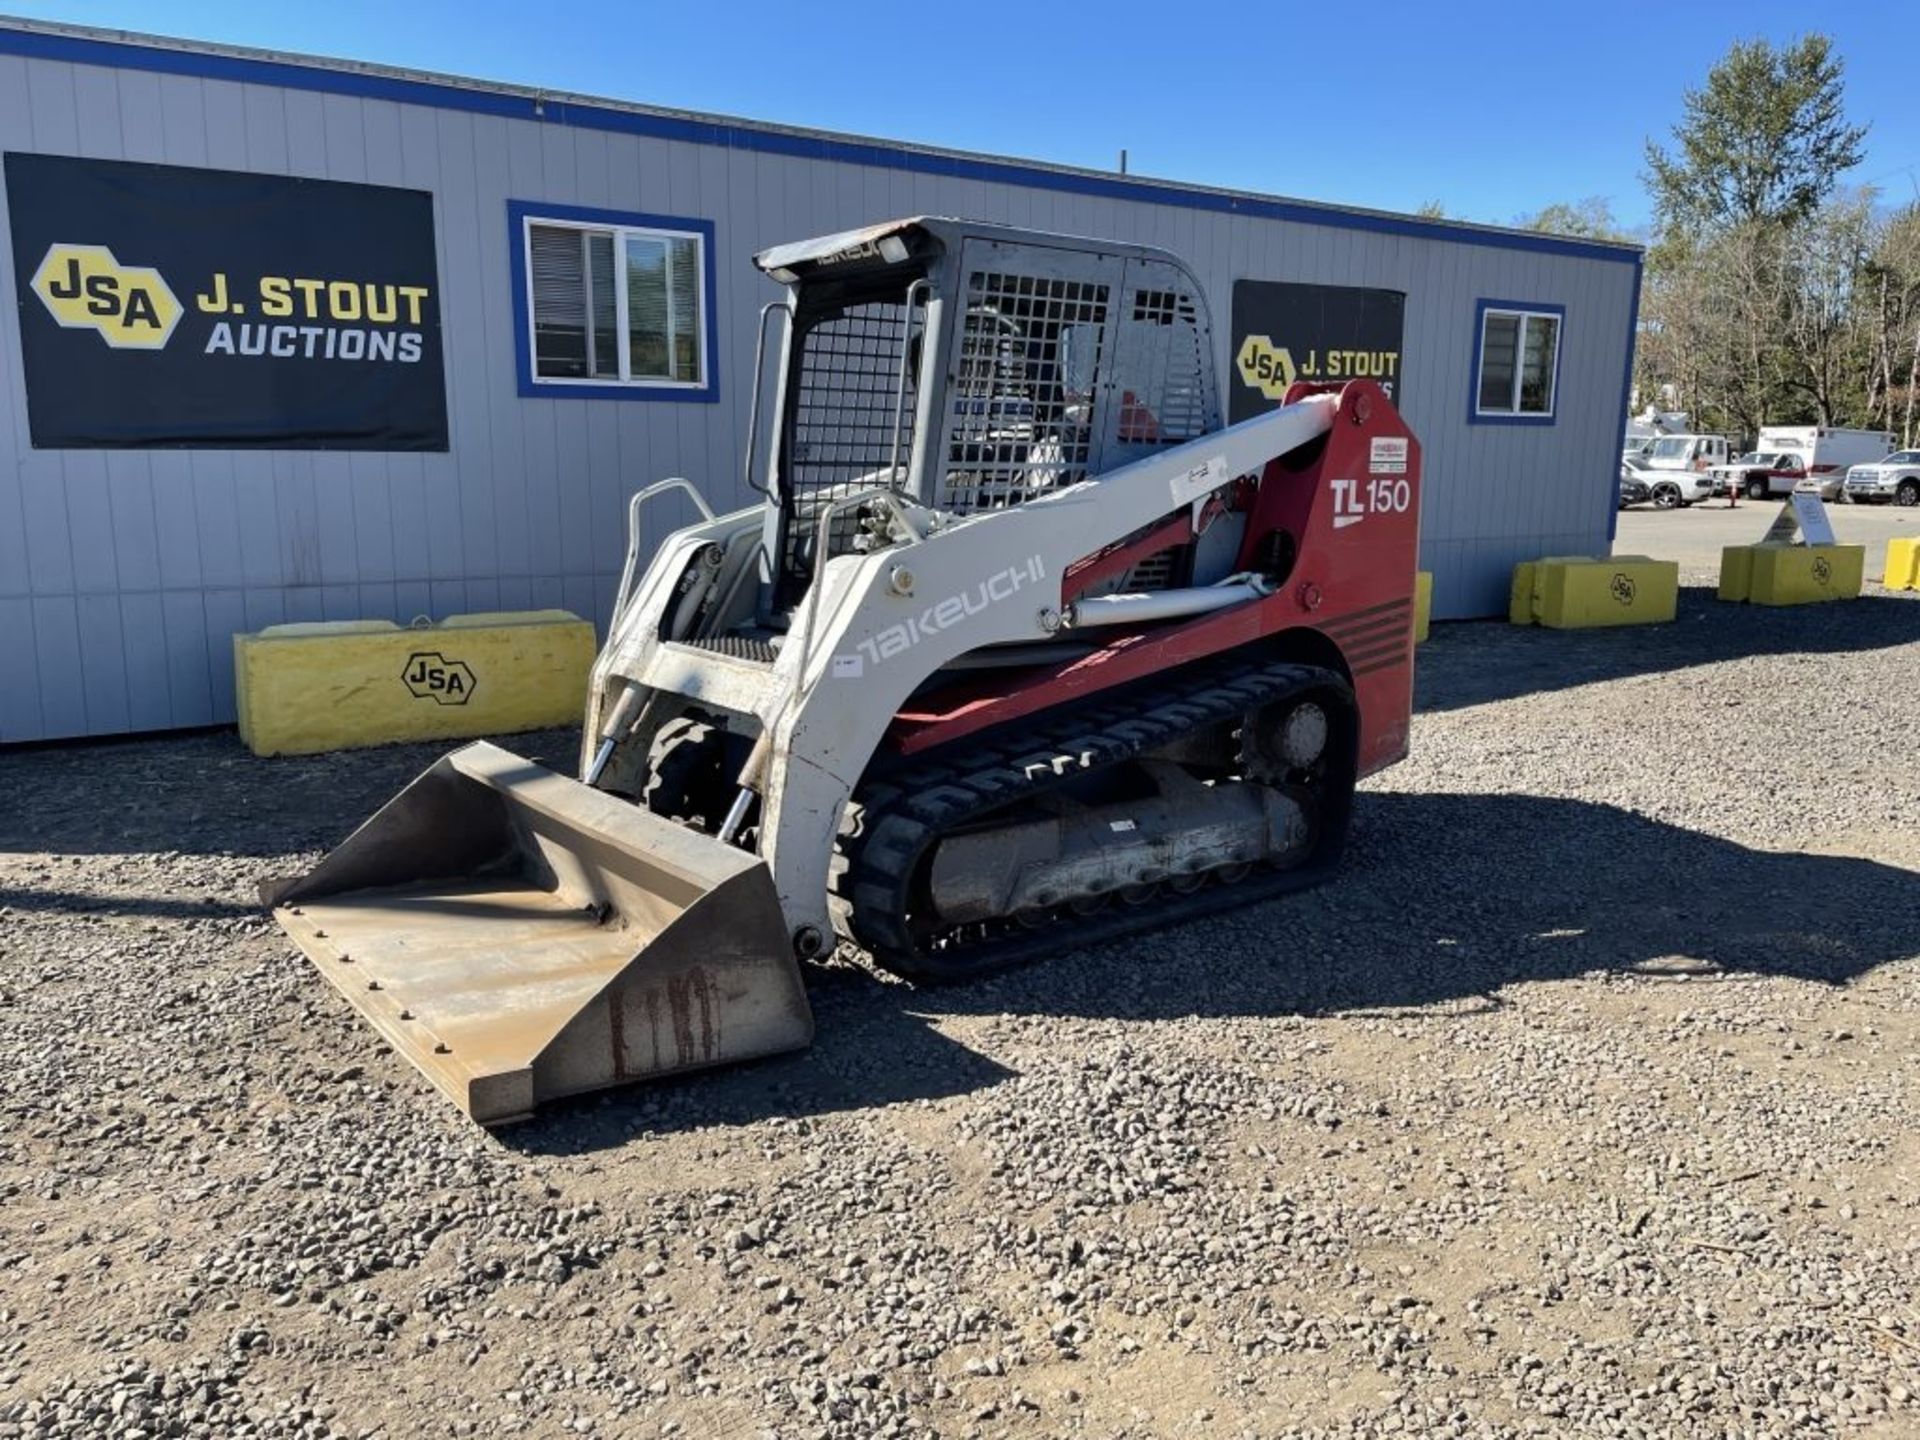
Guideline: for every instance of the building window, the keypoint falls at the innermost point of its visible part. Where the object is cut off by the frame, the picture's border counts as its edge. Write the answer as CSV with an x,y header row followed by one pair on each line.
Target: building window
x,y
614,305
1516,362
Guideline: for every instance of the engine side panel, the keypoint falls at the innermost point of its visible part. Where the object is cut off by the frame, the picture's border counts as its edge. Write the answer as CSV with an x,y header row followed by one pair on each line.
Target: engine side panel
x,y
1349,517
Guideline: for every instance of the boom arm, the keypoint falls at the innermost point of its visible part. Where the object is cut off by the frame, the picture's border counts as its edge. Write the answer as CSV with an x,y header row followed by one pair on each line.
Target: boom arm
x,y
889,620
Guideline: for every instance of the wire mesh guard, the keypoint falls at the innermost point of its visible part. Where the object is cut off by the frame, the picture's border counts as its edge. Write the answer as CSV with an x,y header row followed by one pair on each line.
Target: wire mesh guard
x,y
1163,372
1020,402
844,437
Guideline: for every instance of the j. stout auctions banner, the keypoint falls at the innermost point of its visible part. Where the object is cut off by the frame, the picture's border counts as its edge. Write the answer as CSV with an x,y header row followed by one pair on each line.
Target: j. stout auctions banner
x,y
1285,332
169,306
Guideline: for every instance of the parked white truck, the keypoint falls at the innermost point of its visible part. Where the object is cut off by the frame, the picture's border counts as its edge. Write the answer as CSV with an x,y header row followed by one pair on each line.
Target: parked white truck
x,y
1678,466
1827,453
1896,478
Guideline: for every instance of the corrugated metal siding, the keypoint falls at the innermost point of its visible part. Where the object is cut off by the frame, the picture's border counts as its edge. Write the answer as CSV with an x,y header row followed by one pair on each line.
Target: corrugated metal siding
x,y
123,575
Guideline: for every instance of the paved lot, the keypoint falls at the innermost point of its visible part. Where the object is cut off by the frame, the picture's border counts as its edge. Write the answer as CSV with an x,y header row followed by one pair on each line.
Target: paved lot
x,y
1695,535
1582,1104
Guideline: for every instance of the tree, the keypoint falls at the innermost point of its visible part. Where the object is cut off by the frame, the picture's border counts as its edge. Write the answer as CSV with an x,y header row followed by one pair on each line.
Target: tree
x,y
1675,353
1887,297
1589,219
1431,210
1753,291
1712,327
1826,345
1764,141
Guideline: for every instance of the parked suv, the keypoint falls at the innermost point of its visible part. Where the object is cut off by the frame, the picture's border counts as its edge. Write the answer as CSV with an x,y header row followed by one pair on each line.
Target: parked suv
x,y
1896,478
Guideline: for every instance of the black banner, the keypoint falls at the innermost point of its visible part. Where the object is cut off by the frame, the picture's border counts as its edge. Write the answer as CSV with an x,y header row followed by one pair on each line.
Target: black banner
x,y
1286,332
208,308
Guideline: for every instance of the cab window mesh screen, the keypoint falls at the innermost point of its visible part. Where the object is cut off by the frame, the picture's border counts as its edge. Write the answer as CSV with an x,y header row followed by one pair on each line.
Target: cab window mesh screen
x,y
1162,380
1020,406
841,438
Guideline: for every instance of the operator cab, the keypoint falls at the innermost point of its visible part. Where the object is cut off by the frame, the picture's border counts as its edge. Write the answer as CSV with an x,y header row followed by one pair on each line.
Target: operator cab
x,y
966,367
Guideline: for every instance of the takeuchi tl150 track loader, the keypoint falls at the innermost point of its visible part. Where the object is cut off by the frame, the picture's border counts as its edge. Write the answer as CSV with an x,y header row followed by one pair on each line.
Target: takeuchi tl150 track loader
x,y
1023,651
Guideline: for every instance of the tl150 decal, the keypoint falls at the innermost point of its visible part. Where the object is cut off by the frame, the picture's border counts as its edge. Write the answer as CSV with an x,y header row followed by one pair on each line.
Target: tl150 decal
x,y
1354,500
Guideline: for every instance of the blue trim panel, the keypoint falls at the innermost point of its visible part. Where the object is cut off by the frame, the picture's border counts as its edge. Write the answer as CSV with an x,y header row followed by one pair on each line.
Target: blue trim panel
x,y
1626,398
518,213
77,50
1532,307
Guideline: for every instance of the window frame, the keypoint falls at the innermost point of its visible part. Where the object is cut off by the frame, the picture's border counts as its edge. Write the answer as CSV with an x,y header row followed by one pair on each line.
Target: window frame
x,y
1523,310
523,215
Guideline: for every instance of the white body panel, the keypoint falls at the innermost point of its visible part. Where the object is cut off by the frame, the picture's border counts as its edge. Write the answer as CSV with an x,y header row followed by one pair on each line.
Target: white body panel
x,y
1826,449
1687,452
986,579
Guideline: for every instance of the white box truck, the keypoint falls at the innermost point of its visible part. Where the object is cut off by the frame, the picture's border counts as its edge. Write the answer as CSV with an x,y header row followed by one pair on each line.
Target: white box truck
x,y
1828,453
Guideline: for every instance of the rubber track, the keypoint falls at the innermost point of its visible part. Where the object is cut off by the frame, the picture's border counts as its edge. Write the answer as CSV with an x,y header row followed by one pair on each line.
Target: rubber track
x,y
898,817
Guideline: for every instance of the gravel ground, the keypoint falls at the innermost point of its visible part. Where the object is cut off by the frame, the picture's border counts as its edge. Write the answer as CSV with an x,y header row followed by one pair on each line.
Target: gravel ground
x,y
1582,1104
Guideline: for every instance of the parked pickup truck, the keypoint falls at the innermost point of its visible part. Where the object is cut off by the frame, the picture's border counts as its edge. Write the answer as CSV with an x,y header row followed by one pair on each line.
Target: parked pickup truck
x,y
1677,468
1759,473
1896,478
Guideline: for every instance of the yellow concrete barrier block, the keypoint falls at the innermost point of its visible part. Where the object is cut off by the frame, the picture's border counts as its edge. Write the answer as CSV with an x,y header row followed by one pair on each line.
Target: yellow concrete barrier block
x,y
304,688
1577,592
1736,572
1422,604
1520,594
1902,570
1523,595
1791,574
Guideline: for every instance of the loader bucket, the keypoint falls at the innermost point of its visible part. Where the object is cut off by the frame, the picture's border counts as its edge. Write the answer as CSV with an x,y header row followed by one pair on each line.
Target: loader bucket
x,y
520,936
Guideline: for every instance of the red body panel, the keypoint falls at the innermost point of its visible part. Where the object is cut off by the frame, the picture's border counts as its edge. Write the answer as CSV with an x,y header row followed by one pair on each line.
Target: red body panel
x,y
1119,558
1353,513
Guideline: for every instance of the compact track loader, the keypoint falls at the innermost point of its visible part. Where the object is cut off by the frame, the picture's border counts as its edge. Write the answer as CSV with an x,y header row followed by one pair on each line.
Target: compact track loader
x,y
1023,650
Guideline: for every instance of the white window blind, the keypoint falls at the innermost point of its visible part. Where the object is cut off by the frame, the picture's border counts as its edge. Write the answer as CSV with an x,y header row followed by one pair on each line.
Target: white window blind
x,y
616,305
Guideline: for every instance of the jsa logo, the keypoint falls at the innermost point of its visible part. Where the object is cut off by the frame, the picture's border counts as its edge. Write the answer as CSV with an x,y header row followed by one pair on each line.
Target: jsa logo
x,y
1265,366
85,288
1354,500
432,676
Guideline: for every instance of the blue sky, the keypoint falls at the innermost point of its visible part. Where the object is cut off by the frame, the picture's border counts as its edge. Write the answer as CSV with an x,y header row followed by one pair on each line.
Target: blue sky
x,y
1493,110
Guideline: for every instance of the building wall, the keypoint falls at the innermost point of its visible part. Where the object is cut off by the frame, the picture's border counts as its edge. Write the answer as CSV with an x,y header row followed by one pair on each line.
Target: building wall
x,y
123,574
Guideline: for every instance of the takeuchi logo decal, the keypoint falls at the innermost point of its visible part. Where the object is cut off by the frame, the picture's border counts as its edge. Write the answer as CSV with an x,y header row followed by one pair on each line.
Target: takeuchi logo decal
x,y
280,317
904,634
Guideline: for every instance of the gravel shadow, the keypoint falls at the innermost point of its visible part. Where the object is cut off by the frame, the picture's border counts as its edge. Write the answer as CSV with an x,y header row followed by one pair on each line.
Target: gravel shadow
x,y
1451,897
1444,901
206,794
873,1047
1510,660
